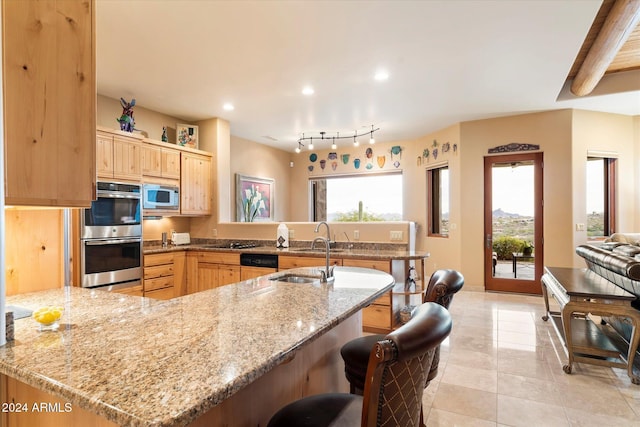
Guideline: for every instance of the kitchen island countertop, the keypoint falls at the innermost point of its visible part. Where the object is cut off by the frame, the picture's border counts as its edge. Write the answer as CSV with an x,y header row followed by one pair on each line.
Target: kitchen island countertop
x,y
139,361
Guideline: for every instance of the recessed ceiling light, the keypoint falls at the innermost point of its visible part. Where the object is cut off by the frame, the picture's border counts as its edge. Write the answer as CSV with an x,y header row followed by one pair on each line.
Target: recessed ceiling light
x,y
307,90
381,75
228,107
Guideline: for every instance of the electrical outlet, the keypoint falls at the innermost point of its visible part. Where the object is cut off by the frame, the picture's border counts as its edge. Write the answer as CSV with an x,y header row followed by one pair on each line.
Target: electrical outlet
x,y
292,233
215,232
356,234
579,227
395,235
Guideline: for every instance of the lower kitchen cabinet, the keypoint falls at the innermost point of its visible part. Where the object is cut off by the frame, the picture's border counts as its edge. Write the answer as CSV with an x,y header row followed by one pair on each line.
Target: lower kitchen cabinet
x,y
136,291
288,262
163,275
247,273
208,270
378,317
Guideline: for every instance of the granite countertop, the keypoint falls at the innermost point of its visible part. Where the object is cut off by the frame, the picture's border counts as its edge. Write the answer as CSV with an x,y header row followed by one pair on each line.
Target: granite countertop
x,y
144,362
369,252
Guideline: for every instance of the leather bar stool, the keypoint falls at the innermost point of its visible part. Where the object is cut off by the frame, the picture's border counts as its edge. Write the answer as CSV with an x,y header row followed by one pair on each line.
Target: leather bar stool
x,y
443,284
398,367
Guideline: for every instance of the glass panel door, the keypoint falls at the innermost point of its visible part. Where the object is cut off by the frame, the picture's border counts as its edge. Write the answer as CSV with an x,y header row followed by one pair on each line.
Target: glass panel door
x,y
513,223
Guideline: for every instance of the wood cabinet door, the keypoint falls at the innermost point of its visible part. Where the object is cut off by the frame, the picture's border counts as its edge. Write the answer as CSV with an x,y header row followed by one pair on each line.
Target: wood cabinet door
x,y
151,160
104,155
247,273
207,276
228,274
170,163
195,191
134,290
49,93
165,293
126,159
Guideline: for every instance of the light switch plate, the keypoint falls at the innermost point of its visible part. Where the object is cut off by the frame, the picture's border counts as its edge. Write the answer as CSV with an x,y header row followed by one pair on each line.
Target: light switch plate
x,y
396,235
356,234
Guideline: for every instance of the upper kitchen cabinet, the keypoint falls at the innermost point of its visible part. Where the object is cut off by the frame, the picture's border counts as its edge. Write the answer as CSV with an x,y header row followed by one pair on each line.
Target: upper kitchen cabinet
x,y
159,161
195,185
118,155
49,91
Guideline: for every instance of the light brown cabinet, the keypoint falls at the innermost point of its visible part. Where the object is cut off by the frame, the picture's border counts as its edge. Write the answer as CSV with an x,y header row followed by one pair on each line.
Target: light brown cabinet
x,y
288,262
208,270
195,184
378,317
118,156
163,275
160,162
247,273
49,102
136,291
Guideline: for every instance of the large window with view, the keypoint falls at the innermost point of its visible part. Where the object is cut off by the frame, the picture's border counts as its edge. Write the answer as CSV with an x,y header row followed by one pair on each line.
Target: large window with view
x,y
601,196
438,201
357,198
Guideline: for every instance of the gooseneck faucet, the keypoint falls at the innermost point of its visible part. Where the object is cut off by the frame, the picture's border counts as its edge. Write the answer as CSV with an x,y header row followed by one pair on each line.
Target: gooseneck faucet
x,y
327,274
328,232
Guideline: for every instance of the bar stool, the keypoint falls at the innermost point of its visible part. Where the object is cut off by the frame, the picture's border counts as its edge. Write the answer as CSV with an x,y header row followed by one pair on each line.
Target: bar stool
x,y
397,371
443,284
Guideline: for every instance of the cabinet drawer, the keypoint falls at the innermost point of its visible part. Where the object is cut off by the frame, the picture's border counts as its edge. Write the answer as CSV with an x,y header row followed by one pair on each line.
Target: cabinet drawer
x,y
384,300
376,316
367,263
158,271
166,293
219,258
158,259
286,263
158,283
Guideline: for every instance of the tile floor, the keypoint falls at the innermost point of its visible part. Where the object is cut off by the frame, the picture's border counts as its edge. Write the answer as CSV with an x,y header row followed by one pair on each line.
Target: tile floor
x,y
502,366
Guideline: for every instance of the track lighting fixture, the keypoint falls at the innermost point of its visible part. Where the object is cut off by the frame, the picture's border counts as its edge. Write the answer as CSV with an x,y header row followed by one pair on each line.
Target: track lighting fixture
x,y
333,139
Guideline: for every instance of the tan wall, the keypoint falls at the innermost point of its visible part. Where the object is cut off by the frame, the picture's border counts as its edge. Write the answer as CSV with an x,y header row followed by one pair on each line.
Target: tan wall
x,y
550,130
636,168
149,122
593,131
259,160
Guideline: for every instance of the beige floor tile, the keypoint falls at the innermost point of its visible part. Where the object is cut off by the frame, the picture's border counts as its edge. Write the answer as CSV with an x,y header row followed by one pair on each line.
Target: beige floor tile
x,y
516,351
518,338
466,401
514,411
470,343
473,358
580,418
439,418
471,377
528,388
601,399
526,367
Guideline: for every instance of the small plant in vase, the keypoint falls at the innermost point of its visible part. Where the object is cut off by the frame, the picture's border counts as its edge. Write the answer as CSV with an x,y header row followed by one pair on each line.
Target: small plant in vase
x,y
527,248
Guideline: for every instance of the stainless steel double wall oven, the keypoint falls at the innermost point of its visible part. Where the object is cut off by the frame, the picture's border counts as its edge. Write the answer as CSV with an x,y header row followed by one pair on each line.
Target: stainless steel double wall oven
x,y
111,237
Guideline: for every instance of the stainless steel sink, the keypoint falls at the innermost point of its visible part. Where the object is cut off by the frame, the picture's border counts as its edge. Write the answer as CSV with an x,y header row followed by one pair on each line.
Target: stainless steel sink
x,y
294,278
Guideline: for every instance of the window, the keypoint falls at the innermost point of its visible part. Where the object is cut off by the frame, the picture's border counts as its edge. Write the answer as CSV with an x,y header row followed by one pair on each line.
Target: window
x,y
601,196
357,198
438,201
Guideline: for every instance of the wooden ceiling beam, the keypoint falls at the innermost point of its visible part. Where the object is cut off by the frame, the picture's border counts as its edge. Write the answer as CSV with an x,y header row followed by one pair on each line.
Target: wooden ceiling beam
x,y
618,26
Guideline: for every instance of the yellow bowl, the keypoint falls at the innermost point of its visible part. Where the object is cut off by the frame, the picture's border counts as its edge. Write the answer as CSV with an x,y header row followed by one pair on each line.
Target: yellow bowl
x,y
48,316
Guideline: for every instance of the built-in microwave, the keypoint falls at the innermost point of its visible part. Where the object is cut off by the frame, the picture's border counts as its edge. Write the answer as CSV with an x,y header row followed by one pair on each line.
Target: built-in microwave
x,y
160,197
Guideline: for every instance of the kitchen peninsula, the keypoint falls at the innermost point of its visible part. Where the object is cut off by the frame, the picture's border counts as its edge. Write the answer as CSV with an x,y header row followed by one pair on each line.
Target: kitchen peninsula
x,y
215,357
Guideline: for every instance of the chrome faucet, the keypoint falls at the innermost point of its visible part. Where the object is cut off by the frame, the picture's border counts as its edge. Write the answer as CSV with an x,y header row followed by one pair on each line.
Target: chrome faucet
x,y
328,232
327,274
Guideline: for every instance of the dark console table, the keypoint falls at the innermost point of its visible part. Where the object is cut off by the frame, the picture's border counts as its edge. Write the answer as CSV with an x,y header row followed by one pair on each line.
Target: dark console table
x,y
580,292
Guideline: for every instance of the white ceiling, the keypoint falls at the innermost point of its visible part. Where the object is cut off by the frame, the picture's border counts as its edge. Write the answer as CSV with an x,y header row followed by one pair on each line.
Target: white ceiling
x,y
448,61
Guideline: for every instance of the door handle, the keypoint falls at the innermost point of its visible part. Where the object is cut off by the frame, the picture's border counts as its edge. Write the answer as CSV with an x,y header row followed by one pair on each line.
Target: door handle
x,y
488,241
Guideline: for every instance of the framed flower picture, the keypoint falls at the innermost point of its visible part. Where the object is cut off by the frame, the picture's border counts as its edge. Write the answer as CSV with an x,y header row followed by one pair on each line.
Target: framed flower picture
x,y
254,199
187,135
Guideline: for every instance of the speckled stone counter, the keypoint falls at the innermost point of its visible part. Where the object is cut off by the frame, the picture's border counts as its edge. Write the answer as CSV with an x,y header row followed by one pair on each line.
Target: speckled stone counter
x,y
138,361
369,252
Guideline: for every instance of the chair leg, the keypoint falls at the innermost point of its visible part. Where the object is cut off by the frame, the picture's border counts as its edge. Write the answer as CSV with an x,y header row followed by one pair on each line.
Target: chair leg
x,y
422,424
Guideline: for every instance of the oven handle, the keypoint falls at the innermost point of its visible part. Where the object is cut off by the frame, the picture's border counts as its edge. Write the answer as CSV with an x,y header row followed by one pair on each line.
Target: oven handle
x,y
110,242
118,195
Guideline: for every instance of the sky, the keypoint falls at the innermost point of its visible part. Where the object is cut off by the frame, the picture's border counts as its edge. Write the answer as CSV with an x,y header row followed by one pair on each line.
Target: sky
x,y
379,193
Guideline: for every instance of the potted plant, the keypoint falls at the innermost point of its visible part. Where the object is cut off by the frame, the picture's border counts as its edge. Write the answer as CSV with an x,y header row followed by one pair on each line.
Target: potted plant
x,y
527,248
